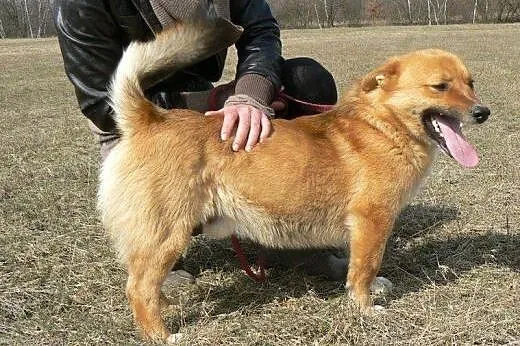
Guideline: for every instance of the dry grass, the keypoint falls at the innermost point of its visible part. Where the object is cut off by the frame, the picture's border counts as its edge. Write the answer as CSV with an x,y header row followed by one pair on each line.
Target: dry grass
x,y
454,257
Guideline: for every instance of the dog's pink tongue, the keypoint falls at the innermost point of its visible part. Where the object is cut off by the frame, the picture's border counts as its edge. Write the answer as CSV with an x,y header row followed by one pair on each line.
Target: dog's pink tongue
x,y
458,146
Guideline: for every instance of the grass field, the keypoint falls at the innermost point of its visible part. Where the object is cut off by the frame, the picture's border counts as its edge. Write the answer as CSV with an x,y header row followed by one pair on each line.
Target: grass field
x,y
454,256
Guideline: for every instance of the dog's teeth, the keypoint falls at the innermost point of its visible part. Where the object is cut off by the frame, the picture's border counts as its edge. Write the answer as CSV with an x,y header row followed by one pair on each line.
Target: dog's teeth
x,y
436,125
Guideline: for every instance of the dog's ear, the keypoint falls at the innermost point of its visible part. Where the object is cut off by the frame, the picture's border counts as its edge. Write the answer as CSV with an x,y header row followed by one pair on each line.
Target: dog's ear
x,y
381,77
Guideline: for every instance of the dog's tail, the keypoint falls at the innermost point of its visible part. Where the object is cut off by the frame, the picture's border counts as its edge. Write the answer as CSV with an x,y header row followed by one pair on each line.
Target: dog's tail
x,y
144,64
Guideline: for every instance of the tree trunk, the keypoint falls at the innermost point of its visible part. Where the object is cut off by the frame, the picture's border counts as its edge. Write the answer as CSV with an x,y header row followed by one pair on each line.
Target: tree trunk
x,y
500,12
2,31
317,15
429,13
42,28
409,12
39,32
326,8
435,10
475,11
445,12
332,12
361,11
514,11
28,19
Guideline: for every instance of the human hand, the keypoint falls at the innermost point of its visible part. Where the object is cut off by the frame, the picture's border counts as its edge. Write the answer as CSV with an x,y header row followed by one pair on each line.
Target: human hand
x,y
253,125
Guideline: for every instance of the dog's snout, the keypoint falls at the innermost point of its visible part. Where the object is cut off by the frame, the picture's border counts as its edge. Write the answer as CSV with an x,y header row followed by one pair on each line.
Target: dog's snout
x,y
480,113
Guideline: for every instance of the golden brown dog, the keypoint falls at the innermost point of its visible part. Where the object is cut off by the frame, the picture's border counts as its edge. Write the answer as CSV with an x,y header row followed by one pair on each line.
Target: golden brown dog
x,y
316,181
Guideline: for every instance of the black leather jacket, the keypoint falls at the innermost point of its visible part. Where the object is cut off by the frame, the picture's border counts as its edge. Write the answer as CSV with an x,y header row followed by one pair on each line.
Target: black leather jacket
x,y
93,34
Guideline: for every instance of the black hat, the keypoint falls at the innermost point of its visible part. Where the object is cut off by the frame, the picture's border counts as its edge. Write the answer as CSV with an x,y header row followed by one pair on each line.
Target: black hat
x,y
307,80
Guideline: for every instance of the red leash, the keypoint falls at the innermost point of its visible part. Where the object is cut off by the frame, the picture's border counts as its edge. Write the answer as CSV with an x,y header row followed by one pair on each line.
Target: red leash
x,y
258,276
313,108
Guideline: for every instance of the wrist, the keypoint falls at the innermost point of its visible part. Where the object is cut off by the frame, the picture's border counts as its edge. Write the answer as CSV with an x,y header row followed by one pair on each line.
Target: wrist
x,y
257,87
242,99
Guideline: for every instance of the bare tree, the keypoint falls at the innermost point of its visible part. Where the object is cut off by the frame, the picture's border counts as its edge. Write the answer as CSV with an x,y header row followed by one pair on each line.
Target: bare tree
x,y
2,31
43,14
317,15
445,12
326,9
509,10
475,11
331,8
434,10
28,19
33,18
429,13
409,11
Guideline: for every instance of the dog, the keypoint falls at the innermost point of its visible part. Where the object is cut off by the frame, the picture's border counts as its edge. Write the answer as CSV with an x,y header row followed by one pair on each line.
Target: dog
x,y
317,181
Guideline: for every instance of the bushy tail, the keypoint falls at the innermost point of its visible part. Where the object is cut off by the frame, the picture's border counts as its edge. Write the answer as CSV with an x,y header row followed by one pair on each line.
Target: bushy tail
x,y
146,63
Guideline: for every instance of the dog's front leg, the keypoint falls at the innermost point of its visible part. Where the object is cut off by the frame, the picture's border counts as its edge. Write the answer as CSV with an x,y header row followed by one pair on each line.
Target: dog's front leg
x,y
368,235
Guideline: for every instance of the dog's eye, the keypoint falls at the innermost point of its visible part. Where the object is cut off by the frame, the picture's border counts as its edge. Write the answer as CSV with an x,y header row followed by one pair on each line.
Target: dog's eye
x,y
470,83
441,86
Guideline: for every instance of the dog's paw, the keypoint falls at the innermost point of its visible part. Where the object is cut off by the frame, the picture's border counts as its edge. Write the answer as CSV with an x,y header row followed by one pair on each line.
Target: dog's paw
x,y
381,285
174,338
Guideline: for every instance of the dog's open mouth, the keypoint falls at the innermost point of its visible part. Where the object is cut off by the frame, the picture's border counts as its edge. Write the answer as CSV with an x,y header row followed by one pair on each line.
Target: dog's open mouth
x,y
445,130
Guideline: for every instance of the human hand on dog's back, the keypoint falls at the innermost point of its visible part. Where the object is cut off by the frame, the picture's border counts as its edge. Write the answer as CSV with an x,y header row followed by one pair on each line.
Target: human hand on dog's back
x,y
252,125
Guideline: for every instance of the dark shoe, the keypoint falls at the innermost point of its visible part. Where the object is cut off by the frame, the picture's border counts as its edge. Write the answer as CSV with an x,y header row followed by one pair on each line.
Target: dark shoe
x,y
327,264
179,277
315,262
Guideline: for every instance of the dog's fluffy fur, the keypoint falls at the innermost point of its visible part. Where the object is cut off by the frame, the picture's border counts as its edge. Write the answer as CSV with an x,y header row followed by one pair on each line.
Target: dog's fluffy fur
x,y
316,181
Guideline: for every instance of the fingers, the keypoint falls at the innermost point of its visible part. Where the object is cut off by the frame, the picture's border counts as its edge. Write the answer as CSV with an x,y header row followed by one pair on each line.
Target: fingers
x,y
244,125
253,125
266,127
211,113
230,118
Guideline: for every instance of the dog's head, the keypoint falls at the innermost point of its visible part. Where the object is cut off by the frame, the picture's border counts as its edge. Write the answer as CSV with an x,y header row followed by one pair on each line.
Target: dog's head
x,y
432,92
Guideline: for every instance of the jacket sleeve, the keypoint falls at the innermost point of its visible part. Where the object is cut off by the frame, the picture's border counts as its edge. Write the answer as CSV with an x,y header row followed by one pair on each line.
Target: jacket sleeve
x,y
259,50
91,46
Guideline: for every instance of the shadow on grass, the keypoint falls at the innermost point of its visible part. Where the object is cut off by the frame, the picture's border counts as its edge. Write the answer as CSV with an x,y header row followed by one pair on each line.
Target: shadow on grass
x,y
415,258
421,219
443,261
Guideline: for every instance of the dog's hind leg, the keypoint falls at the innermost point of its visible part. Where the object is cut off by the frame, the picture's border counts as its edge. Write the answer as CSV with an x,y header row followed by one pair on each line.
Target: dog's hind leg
x,y
368,236
148,264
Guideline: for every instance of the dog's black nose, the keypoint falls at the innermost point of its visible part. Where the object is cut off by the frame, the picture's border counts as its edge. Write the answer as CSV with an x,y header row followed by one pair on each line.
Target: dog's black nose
x,y
480,113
